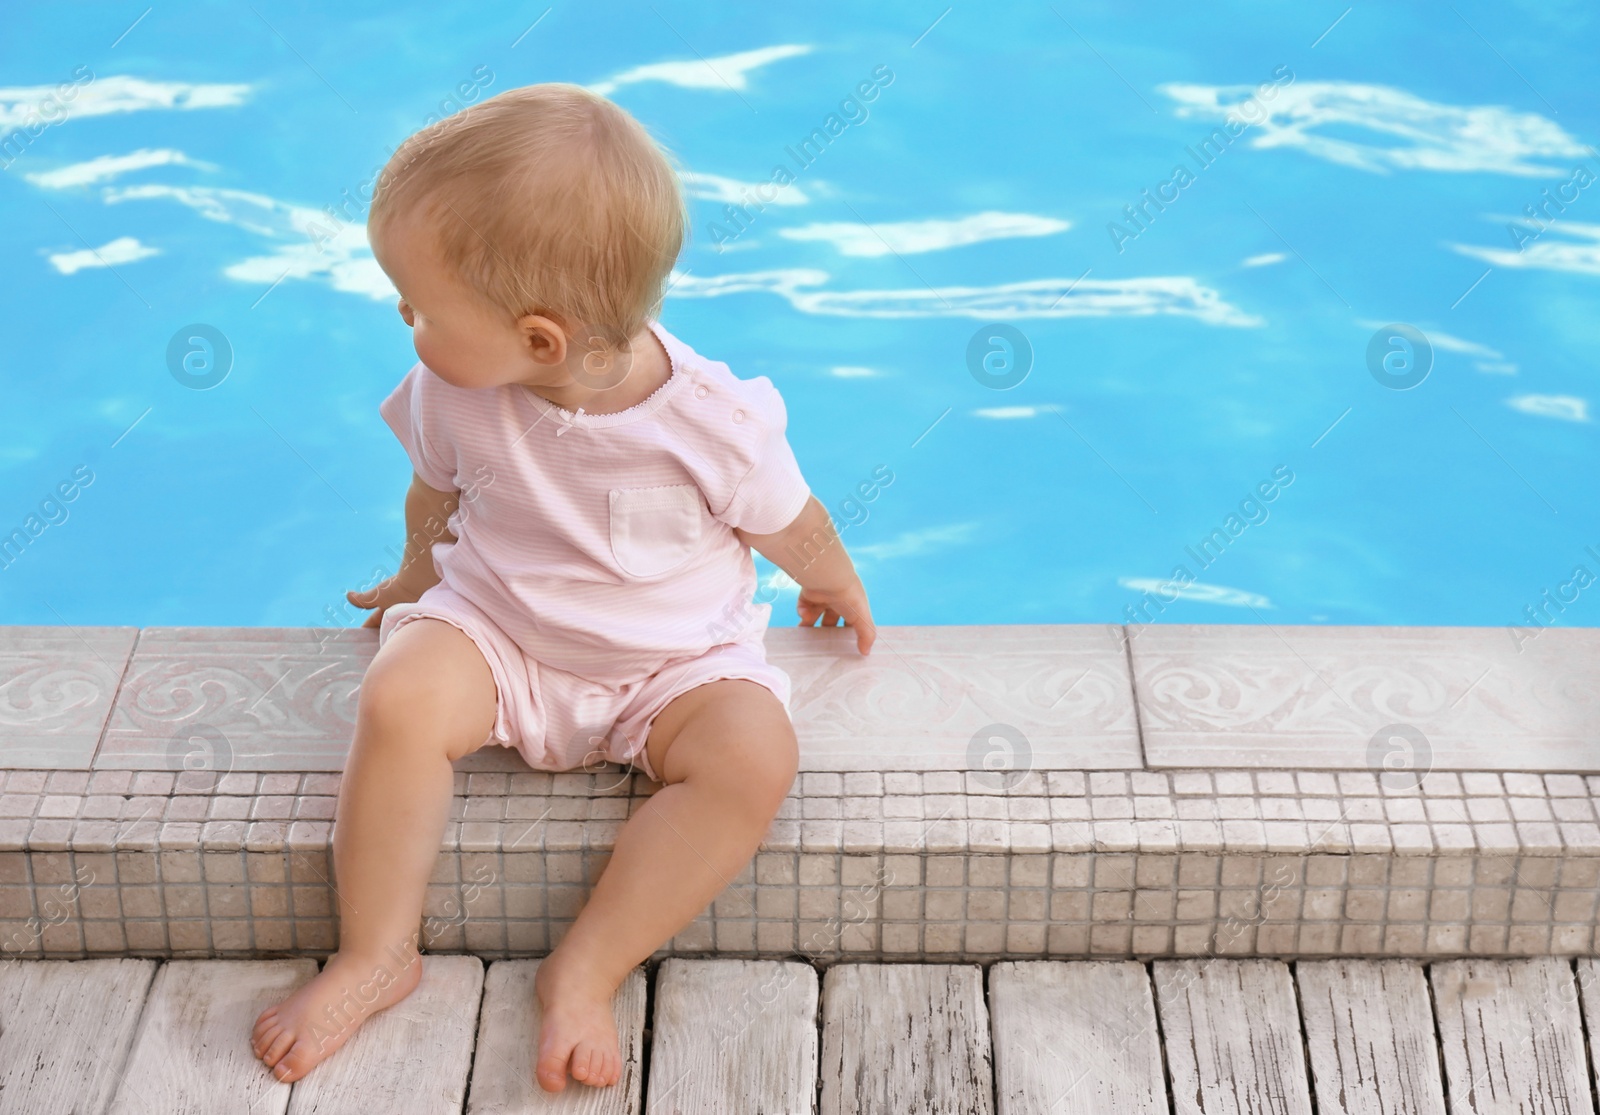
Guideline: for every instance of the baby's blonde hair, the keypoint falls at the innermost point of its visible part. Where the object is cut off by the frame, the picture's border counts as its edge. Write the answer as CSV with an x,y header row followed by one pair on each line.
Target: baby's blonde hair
x,y
546,199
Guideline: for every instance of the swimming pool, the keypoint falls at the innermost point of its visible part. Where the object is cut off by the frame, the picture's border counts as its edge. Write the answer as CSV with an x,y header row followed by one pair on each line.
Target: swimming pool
x,y
1235,315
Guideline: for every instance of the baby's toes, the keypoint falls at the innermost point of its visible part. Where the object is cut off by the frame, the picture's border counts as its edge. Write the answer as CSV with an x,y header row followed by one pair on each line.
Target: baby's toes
x,y
261,1037
583,1063
264,1036
276,1048
552,1067
267,1020
602,1067
300,1059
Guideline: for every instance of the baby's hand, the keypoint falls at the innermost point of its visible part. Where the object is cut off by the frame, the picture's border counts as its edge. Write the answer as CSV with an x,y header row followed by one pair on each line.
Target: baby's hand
x,y
398,589
850,603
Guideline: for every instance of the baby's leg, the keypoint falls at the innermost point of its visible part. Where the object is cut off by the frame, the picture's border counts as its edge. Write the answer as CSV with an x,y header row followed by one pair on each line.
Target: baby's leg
x,y
727,754
427,699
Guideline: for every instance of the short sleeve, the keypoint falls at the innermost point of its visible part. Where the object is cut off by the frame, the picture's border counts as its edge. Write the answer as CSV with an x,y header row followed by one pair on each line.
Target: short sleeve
x,y
772,493
403,411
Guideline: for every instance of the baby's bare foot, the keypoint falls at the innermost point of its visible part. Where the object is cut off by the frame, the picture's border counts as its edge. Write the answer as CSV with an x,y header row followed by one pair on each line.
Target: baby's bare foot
x,y
577,1032
311,1025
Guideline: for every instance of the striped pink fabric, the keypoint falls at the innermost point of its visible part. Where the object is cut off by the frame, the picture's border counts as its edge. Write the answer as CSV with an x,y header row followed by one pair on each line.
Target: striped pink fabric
x,y
603,544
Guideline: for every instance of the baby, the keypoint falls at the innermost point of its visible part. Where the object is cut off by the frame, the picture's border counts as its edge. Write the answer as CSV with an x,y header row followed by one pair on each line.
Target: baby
x,y
577,580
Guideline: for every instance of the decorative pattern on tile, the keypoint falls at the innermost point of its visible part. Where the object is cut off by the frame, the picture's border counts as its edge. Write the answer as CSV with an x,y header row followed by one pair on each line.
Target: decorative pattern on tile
x,y
238,698
1267,697
1099,863
1483,698
56,689
284,698
917,701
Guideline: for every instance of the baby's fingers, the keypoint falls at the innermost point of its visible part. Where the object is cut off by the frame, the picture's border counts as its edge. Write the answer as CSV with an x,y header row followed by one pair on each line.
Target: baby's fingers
x,y
866,635
861,619
371,598
810,613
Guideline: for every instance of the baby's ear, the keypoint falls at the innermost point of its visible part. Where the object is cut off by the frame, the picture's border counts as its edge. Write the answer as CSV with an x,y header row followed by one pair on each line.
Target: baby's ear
x,y
544,338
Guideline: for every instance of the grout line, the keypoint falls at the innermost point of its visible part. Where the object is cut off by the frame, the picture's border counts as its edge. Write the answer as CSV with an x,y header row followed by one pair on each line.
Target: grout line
x,y
116,693
1133,693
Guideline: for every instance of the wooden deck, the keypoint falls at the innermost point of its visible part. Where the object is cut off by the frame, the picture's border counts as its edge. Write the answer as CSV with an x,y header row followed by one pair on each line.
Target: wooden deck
x,y
709,1036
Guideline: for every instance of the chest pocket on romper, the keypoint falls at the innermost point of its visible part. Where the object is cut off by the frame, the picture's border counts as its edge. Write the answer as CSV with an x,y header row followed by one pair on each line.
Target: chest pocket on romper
x,y
654,530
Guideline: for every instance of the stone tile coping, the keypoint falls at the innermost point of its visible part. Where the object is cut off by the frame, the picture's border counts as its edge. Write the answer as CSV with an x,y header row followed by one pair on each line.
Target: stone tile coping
x,y
283,699
1456,698
1030,697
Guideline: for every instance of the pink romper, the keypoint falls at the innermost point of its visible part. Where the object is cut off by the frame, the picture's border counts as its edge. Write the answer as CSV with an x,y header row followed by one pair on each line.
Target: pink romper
x,y
596,565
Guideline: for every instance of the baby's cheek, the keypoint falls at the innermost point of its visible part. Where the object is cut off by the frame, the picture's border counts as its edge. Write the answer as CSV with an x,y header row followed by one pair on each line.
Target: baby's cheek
x,y
443,357
422,339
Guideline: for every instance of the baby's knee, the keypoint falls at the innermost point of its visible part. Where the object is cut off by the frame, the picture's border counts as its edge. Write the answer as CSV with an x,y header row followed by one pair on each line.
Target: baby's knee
x,y
393,708
414,689
388,696
765,770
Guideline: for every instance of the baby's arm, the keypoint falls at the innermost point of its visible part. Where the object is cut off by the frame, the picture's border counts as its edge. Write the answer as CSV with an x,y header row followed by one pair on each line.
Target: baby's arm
x,y
428,512
809,550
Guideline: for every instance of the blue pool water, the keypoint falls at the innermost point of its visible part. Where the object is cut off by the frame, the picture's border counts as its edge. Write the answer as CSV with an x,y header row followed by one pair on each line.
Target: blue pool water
x,y
1185,356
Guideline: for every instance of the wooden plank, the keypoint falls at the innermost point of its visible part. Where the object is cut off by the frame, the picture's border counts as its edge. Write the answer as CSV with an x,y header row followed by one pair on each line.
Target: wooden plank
x,y
193,1055
508,1030
1589,987
411,1059
905,1037
1369,1032
1075,1037
1232,1037
66,1027
1512,1037
729,1037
